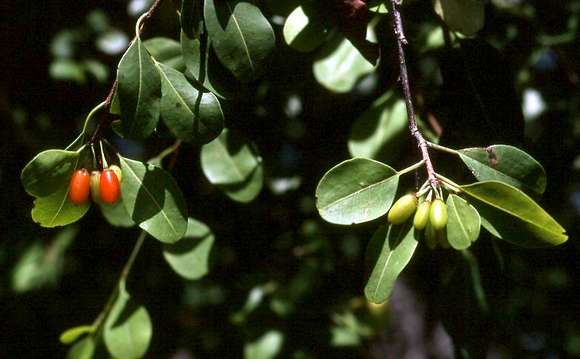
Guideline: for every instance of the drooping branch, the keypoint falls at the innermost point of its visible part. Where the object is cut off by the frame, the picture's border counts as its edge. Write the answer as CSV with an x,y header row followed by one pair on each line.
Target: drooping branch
x,y
401,42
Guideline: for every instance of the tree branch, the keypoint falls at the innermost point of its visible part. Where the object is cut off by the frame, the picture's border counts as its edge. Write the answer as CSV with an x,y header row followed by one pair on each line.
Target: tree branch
x,y
401,42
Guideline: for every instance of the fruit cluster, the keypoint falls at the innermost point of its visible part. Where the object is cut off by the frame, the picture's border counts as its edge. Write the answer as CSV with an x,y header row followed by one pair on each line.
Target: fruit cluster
x,y
103,186
430,216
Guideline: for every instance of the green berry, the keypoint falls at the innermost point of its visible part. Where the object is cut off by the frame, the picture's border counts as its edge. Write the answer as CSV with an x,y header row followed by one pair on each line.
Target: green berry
x,y
422,215
402,209
438,214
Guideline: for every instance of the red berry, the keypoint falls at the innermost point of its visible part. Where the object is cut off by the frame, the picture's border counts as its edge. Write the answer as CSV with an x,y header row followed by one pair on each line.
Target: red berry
x,y
109,188
79,186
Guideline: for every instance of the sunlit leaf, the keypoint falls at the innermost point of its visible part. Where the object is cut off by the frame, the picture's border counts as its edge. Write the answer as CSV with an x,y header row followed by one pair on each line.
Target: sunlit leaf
x,y
41,264
355,191
138,92
464,16
127,331
303,32
83,349
229,159
116,214
57,209
49,171
73,334
463,224
153,200
167,51
189,257
379,132
513,215
339,67
247,190
505,164
265,347
241,36
398,245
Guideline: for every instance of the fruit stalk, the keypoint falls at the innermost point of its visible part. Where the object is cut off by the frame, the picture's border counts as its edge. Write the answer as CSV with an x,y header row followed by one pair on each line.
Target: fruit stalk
x,y
401,42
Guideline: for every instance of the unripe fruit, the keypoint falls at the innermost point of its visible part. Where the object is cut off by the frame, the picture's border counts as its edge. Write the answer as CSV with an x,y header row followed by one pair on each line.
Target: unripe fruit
x,y
109,187
402,209
95,184
118,172
79,186
431,237
422,215
438,214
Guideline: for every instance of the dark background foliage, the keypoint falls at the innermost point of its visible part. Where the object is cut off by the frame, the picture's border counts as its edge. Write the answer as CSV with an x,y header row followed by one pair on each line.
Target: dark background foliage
x,y
277,246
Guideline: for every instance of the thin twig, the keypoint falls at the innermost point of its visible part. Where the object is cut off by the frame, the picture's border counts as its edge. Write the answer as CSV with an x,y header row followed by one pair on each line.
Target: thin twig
x,y
401,42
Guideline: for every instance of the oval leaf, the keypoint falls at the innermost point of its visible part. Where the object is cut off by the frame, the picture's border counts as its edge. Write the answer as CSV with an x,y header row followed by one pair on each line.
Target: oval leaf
x,y
514,216
378,132
189,257
228,159
127,330
138,92
464,16
398,245
355,191
71,335
464,222
340,67
165,50
505,164
204,69
57,210
303,33
248,190
48,172
189,114
153,200
116,214
83,349
241,36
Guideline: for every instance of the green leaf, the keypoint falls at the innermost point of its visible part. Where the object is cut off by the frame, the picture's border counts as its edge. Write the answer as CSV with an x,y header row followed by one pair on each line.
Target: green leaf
x,y
127,331
138,92
49,171
116,214
378,6
57,210
464,16
339,67
514,216
189,257
378,132
191,17
302,32
167,51
190,115
248,190
265,347
153,200
229,159
463,224
355,191
41,264
83,349
241,36
204,69
505,164
71,335
398,246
